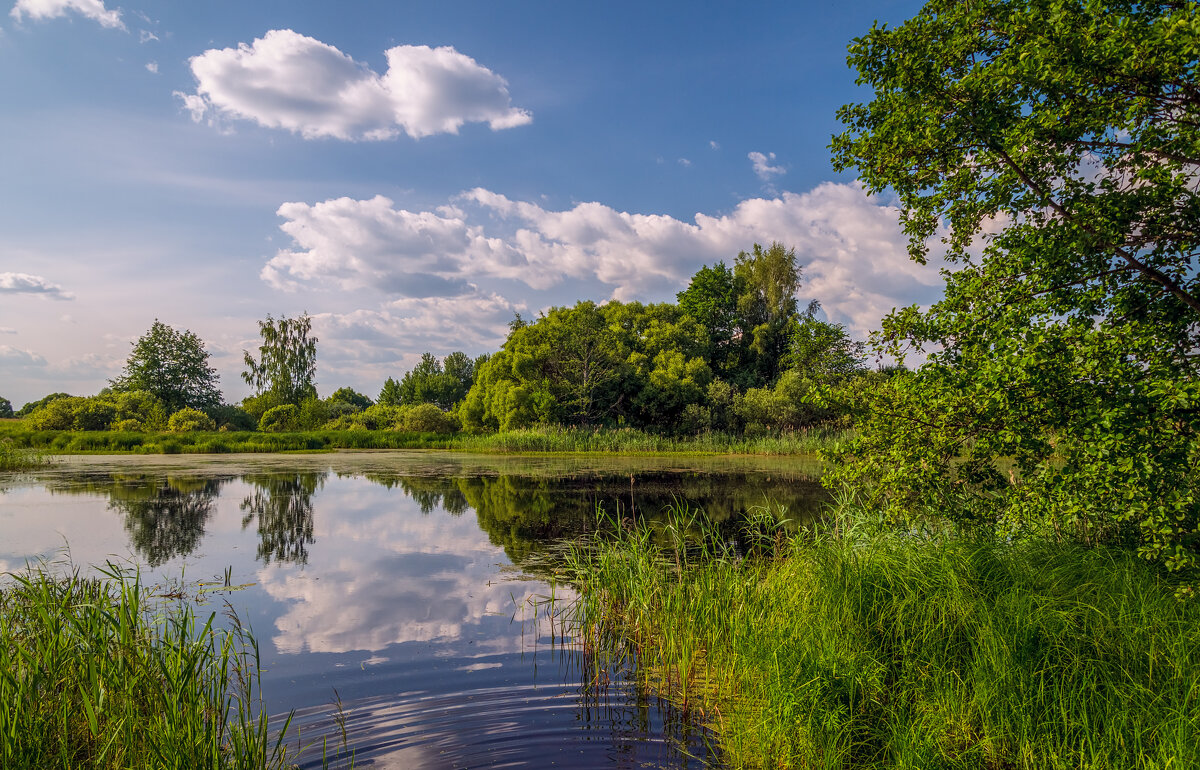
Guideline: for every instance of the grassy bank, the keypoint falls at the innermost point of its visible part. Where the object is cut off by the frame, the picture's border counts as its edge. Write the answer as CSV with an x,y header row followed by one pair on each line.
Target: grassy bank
x,y
18,458
890,650
533,440
94,674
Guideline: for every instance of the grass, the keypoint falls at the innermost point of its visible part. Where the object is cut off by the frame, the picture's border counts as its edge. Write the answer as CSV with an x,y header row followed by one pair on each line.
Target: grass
x,y
530,440
18,458
873,649
94,673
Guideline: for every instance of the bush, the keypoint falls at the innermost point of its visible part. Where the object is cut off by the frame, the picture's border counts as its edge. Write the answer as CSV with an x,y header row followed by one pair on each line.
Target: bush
x,y
188,420
129,425
229,417
313,414
74,413
378,417
279,419
257,406
428,418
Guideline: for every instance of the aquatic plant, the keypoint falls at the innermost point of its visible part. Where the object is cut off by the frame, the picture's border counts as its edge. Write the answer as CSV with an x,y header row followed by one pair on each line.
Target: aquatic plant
x,y
100,673
864,647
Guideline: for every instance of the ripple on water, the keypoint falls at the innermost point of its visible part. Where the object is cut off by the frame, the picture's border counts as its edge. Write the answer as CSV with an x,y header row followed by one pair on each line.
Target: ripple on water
x,y
487,715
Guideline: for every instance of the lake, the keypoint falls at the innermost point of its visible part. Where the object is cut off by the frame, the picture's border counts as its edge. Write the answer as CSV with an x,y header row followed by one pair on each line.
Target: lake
x,y
416,589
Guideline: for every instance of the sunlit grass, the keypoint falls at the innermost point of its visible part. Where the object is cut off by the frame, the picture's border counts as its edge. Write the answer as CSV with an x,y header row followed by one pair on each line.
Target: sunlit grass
x,y
18,458
875,649
97,673
546,439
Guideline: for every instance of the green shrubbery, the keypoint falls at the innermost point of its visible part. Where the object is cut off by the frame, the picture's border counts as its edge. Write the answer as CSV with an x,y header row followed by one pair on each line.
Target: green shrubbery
x,y
187,420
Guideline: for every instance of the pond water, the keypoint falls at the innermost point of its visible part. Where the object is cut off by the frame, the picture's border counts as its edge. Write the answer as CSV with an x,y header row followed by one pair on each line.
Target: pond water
x,y
414,588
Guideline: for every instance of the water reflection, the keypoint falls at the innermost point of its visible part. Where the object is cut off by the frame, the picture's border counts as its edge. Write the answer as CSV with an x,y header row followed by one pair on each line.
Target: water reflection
x,y
408,583
281,506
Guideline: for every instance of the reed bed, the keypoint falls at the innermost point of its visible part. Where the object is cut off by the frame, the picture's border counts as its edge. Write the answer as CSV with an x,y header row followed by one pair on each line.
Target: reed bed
x,y
549,439
18,458
96,673
872,648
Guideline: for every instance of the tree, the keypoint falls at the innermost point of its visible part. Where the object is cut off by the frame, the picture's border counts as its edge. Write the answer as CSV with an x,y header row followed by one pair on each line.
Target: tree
x,y
173,367
287,360
821,350
6,409
352,397
1057,143
389,395
767,283
711,300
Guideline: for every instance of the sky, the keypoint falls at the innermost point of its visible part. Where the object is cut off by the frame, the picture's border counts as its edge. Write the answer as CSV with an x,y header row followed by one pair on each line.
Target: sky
x,y
413,174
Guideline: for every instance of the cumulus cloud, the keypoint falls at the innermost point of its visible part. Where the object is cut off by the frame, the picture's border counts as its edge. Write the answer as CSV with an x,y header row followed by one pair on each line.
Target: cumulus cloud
x,y
393,335
152,67
51,9
24,283
16,358
290,81
850,244
763,168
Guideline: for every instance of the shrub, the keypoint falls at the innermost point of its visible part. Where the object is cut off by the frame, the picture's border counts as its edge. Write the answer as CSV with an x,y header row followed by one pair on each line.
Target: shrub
x,y
188,420
278,419
129,425
428,418
229,417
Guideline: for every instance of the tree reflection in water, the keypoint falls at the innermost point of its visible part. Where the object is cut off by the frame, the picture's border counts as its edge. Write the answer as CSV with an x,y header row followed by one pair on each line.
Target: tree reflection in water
x,y
165,517
282,508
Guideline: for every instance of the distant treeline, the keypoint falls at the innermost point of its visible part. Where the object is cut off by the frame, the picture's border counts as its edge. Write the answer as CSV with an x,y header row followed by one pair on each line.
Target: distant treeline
x,y
735,355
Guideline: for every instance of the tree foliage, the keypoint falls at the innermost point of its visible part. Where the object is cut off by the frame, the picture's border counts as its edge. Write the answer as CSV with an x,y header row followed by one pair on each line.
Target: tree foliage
x,y
1054,145
173,367
444,383
287,360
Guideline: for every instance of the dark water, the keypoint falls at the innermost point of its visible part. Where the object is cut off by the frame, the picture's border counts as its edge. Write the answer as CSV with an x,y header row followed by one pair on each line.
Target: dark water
x,y
417,589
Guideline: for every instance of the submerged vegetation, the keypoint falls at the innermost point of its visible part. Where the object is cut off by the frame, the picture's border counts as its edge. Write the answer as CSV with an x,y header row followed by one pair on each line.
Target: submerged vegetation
x,y
101,673
865,647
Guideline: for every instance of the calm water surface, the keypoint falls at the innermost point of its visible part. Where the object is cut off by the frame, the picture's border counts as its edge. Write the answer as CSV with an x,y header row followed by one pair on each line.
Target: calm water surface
x,y
412,587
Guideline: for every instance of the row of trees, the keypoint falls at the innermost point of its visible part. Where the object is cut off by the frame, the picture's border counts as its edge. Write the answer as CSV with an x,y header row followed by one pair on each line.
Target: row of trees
x,y
733,354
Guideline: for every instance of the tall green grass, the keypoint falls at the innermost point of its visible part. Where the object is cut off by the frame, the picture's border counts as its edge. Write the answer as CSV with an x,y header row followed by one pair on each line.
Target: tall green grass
x,y
18,458
94,674
551,439
875,649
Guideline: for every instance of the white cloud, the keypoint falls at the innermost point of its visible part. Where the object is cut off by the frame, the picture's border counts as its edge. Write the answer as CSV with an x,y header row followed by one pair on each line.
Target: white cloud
x,y
379,342
15,358
24,283
714,144
684,162
52,9
145,36
850,244
152,66
290,81
763,168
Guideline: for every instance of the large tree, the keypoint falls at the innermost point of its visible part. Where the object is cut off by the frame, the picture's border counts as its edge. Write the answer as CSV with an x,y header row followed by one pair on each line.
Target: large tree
x,y
287,360
173,367
1054,146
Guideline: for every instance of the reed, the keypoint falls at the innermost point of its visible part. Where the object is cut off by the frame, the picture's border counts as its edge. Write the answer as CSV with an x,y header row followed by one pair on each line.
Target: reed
x,y
874,648
18,458
545,439
95,673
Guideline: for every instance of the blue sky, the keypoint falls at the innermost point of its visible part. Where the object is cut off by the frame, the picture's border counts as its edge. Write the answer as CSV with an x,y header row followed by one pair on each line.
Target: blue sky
x,y
411,174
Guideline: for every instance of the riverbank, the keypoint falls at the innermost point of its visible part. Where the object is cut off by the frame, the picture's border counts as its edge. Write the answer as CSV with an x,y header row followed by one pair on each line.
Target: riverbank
x,y
528,441
869,648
